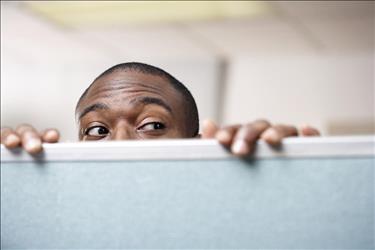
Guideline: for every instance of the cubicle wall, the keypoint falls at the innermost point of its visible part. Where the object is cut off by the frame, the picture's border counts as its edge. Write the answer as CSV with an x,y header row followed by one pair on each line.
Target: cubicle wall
x,y
311,193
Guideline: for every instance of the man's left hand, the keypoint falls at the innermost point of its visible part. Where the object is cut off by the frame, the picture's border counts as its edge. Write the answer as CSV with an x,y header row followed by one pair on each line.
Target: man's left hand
x,y
241,139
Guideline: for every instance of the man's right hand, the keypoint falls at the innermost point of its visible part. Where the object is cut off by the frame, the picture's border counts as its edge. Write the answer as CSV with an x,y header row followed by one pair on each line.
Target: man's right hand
x,y
27,137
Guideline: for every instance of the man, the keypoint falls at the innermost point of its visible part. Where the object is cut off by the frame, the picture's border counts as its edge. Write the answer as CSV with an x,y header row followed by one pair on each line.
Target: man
x,y
140,101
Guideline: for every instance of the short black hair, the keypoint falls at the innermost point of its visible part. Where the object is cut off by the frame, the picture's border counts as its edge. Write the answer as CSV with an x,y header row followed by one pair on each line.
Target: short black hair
x,y
191,110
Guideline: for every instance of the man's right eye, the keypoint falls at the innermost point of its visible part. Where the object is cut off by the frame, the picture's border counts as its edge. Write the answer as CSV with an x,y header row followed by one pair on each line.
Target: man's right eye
x,y
98,131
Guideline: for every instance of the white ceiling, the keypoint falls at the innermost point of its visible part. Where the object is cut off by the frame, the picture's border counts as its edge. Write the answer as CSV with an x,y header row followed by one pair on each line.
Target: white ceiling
x,y
294,27
326,9
84,14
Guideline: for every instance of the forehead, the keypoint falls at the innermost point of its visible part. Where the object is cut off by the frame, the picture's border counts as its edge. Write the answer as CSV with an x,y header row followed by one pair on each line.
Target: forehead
x,y
126,84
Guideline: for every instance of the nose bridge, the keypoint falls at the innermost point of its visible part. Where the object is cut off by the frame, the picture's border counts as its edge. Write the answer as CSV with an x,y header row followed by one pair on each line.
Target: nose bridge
x,y
122,131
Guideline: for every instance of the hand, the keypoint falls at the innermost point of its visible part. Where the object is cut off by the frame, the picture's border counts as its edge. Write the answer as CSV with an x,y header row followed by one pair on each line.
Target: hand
x,y
27,137
241,139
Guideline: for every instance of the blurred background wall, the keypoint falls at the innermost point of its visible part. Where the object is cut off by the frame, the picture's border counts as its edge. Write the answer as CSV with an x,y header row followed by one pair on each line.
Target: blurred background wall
x,y
287,61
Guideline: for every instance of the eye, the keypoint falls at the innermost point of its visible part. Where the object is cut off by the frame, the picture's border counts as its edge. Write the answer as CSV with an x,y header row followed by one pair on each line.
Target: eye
x,y
97,131
152,126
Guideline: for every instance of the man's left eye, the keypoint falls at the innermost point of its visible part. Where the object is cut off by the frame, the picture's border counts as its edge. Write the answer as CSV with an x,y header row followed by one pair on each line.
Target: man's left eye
x,y
152,126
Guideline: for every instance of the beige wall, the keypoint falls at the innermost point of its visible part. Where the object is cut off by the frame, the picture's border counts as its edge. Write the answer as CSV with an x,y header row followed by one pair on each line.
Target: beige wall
x,y
320,89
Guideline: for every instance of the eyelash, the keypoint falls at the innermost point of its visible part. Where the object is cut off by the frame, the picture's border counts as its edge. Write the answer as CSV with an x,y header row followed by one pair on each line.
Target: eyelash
x,y
88,130
160,125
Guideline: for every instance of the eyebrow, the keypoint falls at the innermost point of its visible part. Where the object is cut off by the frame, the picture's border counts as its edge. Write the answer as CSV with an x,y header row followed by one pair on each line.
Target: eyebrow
x,y
93,107
152,100
143,100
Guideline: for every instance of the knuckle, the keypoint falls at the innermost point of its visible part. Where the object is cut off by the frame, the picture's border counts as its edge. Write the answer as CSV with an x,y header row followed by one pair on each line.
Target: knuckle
x,y
5,128
28,134
23,128
283,127
23,125
263,122
247,133
245,129
51,135
6,131
231,129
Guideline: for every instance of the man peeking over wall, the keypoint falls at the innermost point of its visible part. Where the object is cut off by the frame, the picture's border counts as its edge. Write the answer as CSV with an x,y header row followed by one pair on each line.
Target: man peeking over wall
x,y
140,101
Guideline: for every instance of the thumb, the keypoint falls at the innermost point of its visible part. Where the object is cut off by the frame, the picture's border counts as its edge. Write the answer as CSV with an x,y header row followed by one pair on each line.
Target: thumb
x,y
209,129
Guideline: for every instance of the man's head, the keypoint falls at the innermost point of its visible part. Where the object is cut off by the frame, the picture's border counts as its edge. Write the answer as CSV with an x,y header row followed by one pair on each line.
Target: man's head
x,y
136,101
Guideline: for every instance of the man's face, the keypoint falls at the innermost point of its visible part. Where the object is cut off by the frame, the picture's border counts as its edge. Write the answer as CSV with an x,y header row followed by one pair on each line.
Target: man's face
x,y
131,105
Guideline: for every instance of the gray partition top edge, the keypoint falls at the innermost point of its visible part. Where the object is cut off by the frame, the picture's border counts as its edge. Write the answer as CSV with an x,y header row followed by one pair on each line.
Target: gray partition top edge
x,y
190,149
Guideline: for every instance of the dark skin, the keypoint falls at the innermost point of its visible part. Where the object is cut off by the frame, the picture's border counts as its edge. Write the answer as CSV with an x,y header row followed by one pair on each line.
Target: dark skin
x,y
128,105
131,105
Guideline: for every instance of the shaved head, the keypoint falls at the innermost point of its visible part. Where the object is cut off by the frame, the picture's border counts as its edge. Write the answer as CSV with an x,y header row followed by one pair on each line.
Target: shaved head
x,y
128,86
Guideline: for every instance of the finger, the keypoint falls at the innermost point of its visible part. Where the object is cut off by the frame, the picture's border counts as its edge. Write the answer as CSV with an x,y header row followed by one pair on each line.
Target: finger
x,y
226,135
9,138
30,139
306,130
50,135
209,129
246,137
275,134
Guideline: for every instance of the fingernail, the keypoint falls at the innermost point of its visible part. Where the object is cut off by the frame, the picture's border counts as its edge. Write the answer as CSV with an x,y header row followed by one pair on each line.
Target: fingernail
x,y
271,136
33,145
209,129
207,122
304,125
12,140
51,135
223,136
240,147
